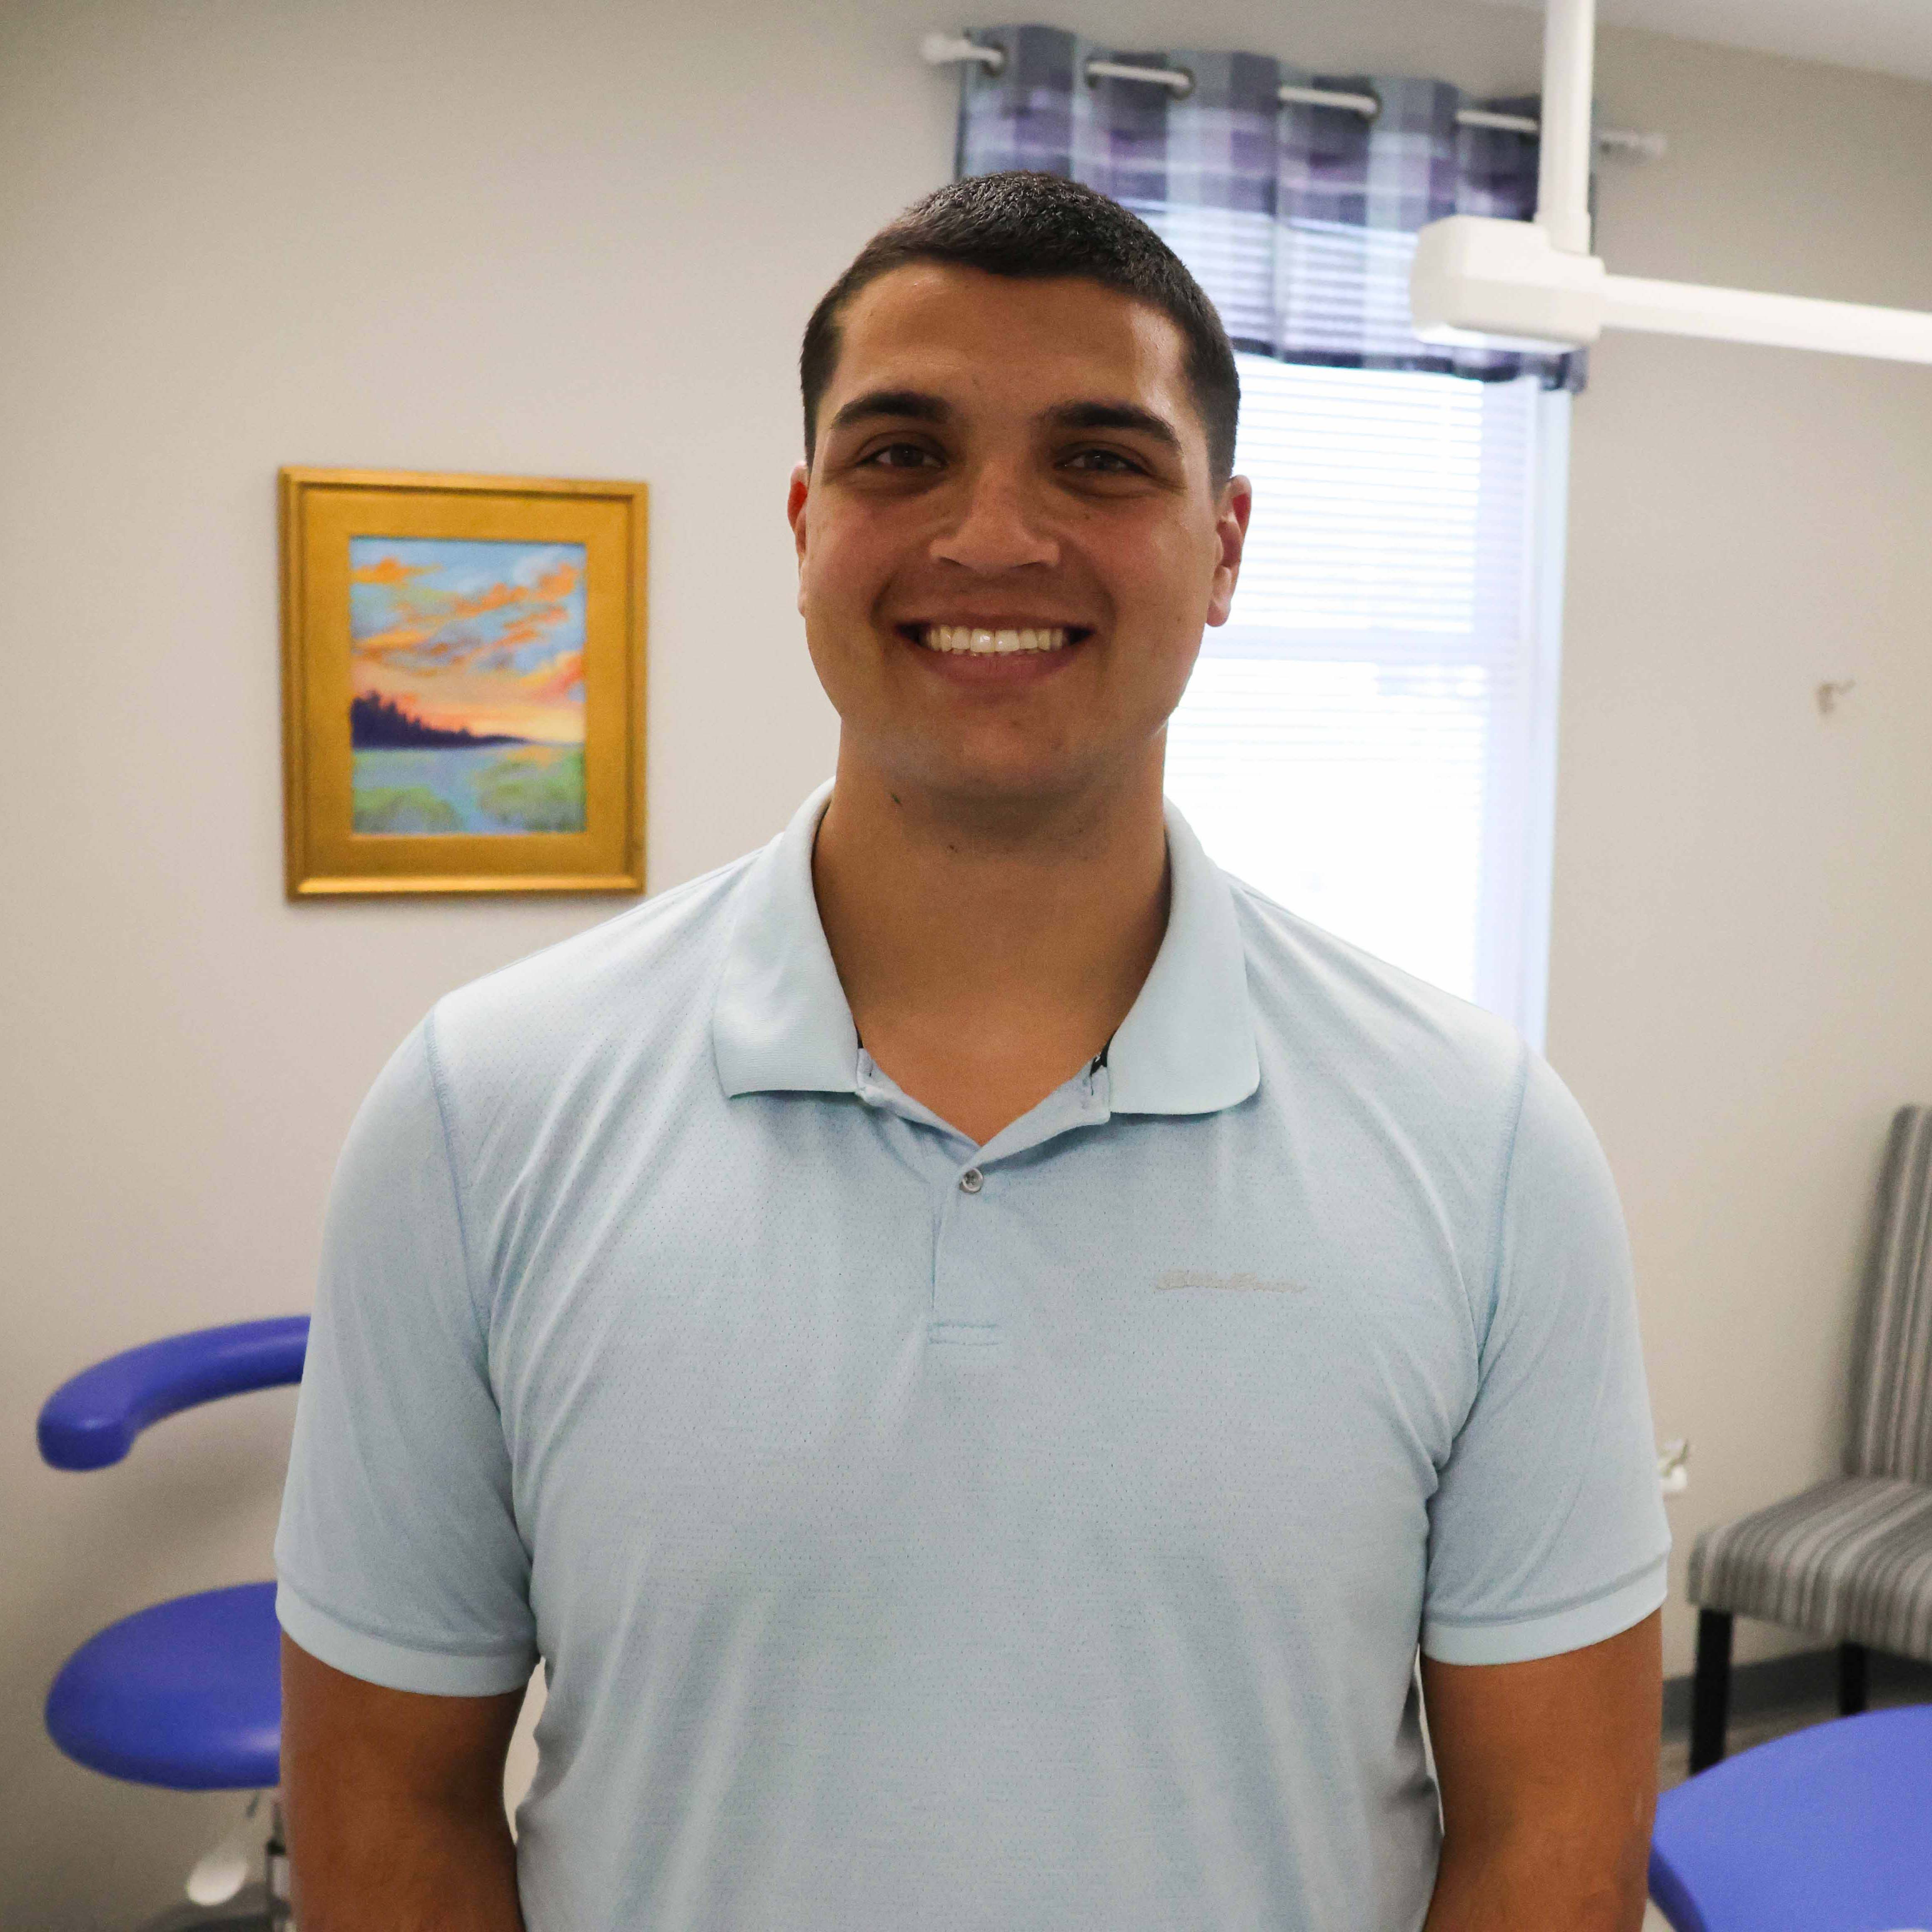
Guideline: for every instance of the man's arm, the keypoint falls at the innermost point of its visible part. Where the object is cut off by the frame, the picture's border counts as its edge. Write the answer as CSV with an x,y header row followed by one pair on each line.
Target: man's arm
x,y
1549,1776
395,1805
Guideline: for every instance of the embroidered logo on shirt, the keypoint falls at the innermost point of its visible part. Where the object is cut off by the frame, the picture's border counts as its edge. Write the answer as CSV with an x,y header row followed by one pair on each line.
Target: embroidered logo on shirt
x,y
1201,1278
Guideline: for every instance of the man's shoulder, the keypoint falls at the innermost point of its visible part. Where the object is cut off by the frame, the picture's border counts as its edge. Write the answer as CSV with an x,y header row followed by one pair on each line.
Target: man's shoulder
x,y
1332,1003
1448,1098
629,984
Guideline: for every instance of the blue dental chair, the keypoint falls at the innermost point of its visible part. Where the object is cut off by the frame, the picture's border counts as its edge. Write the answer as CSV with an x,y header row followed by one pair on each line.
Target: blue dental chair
x,y
186,1693
1827,1830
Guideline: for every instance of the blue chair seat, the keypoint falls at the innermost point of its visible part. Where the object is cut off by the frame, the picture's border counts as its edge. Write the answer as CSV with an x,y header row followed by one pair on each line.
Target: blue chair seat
x,y
187,1694
1828,1830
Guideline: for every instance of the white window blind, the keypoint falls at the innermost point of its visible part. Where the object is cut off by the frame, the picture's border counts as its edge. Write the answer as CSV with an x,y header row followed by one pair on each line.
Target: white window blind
x,y
1370,741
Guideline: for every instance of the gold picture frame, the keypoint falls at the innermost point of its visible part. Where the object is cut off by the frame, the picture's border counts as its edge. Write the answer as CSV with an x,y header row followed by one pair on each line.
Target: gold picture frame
x,y
463,683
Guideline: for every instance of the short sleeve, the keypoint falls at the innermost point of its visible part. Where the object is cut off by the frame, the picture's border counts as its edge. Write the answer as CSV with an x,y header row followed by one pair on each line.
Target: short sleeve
x,y
399,1557
1547,1531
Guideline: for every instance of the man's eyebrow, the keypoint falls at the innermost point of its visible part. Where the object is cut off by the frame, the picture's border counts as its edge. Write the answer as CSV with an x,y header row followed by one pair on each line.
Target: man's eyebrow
x,y
914,403
1114,416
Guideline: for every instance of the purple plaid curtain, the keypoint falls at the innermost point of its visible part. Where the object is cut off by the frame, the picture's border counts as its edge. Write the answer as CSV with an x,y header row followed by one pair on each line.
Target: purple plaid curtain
x,y
1298,221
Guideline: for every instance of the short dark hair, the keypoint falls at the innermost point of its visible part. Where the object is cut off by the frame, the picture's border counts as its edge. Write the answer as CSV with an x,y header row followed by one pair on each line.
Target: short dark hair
x,y
1033,226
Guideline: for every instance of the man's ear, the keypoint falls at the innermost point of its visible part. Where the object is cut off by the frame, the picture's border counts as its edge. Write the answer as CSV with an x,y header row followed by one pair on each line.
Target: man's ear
x,y
1230,533
795,498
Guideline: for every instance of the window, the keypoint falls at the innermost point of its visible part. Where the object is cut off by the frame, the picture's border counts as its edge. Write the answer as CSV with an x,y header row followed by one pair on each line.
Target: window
x,y
1370,740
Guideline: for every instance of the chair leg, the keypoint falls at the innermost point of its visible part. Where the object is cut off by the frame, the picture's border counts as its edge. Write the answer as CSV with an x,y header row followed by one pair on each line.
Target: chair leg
x,y
1852,1661
1710,1689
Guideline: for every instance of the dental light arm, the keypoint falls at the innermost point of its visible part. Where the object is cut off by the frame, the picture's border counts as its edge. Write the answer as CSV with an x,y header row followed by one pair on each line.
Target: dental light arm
x,y
1536,283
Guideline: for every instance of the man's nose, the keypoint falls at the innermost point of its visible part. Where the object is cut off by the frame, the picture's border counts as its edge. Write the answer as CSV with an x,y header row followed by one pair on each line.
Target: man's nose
x,y
997,526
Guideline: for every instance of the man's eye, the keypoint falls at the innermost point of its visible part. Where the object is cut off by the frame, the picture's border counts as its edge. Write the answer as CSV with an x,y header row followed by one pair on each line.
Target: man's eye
x,y
1104,463
898,456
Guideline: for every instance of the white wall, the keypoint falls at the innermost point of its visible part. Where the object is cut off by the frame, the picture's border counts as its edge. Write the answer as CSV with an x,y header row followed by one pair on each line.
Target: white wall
x,y
1742,921
580,240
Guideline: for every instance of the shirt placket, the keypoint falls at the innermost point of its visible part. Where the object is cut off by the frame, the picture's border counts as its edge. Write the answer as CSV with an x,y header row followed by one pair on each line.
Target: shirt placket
x,y
975,1244
969,1286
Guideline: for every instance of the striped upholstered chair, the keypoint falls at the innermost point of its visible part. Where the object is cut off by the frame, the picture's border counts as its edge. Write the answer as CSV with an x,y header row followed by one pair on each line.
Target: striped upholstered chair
x,y
1851,1560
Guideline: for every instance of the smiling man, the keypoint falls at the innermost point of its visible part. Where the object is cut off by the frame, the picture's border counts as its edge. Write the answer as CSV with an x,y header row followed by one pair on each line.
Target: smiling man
x,y
974,1348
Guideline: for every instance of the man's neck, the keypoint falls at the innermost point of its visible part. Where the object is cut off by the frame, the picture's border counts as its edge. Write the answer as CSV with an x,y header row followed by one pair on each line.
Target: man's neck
x,y
988,954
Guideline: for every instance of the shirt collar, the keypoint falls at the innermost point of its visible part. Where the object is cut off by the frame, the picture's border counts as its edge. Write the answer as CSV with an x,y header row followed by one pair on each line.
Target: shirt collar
x,y
1187,1045
781,1024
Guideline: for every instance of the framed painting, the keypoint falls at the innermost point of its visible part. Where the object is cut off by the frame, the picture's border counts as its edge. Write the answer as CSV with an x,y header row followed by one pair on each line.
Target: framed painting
x,y
462,662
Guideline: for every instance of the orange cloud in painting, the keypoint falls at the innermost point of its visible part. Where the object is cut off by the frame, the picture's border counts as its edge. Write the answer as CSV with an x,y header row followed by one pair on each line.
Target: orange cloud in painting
x,y
392,642
563,679
539,606
527,630
390,570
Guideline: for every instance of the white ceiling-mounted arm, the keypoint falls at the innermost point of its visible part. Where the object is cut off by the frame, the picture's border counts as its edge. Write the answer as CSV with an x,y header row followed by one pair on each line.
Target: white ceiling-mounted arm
x,y
1535,284
1563,156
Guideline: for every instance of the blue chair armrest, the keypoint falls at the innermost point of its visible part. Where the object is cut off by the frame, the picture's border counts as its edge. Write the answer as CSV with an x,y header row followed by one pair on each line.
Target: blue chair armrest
x,y
92,1420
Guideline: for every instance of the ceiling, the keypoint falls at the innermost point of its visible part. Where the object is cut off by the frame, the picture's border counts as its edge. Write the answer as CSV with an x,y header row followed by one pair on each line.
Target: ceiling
x,y
1893,36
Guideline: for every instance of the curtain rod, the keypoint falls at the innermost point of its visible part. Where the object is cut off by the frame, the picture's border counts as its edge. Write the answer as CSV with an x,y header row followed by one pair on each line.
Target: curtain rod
x,y
947,49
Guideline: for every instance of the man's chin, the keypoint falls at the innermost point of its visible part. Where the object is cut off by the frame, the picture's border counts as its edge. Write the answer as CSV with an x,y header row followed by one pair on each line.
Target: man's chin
x,y
1013,789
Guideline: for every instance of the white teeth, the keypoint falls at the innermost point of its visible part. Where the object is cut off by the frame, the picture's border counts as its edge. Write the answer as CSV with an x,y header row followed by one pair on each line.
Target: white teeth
x,y
992,644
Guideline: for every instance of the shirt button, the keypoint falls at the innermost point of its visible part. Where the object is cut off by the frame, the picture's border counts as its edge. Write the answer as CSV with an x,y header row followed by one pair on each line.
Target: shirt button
x,y
971,1181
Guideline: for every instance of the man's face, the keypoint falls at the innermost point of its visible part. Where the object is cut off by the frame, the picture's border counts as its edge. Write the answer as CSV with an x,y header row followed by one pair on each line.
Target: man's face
x,y
999,456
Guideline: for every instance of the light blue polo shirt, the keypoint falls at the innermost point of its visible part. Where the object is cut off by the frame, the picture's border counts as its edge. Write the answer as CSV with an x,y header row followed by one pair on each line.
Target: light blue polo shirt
x,y
922,1535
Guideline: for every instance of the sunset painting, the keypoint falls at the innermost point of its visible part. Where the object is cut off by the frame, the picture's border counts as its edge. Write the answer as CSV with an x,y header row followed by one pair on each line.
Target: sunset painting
x,y
467,681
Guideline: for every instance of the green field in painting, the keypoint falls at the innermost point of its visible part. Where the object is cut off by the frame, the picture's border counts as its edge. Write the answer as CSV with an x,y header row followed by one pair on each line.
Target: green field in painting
x,y
469,789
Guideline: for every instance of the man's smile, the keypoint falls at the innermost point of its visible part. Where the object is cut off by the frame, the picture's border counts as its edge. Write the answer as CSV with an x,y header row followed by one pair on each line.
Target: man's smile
x,y
982,639
1002,650
1000,656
